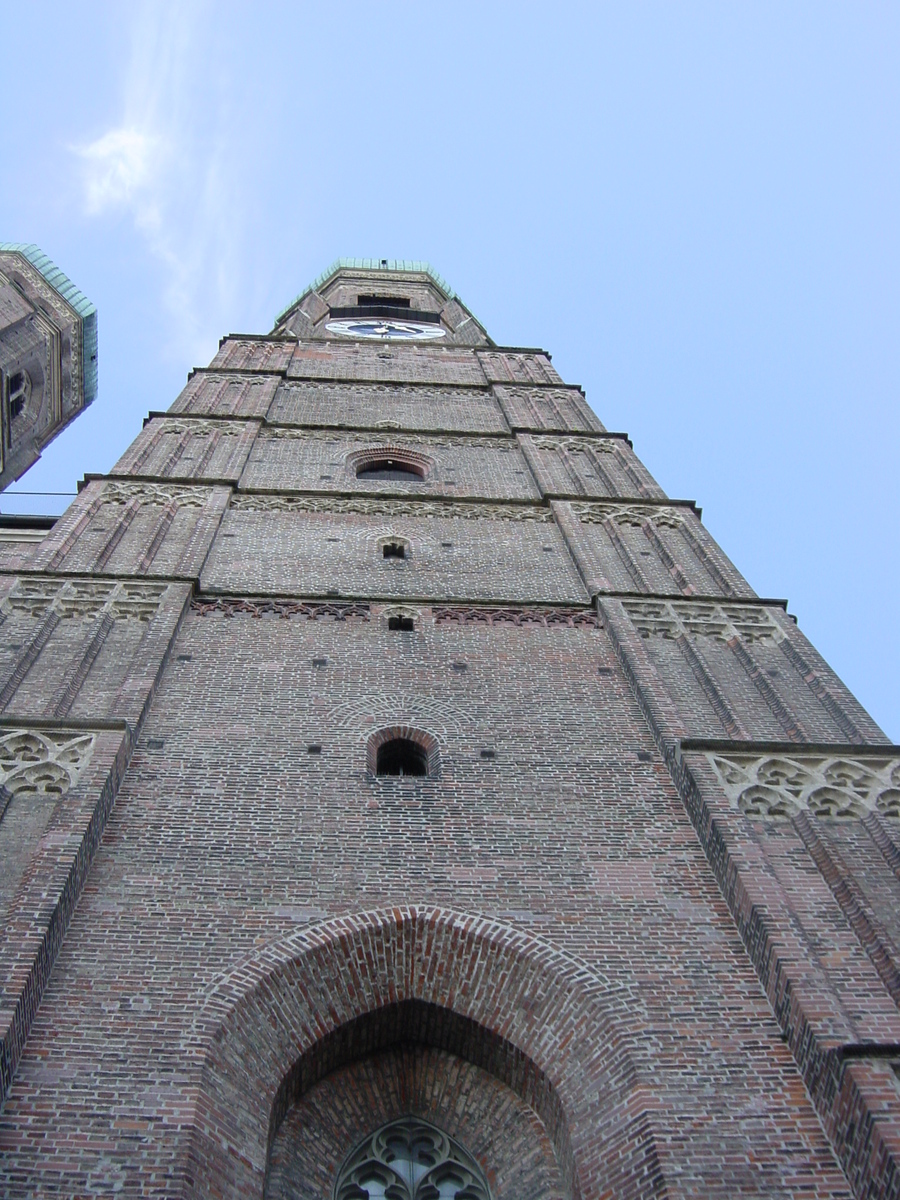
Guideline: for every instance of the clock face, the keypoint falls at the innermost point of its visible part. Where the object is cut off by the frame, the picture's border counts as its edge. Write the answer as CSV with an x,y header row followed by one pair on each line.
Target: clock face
x,y
384,330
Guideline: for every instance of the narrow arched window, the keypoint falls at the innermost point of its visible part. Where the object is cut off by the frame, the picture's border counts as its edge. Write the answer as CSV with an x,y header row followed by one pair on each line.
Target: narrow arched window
x,y
401,756
410,1159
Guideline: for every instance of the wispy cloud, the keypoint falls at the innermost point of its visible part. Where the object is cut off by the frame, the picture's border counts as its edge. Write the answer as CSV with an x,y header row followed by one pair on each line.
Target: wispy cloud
x,y
163,162
118,166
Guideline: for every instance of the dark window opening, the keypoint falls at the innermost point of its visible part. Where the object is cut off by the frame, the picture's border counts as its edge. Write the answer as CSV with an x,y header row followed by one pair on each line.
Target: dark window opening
x,y
314,749
393,301
401,624
458,666
18,393
488,754
401,756
389,468
394,550
319,662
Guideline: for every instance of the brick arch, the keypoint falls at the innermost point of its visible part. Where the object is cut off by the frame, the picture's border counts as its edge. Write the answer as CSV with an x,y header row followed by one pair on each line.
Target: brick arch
x,y
557,1030
427,741
400,456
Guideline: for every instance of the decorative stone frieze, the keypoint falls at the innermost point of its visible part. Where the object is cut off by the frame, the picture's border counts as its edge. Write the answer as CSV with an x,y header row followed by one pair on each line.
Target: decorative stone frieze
x,y
671,619
132,599
781,785
262,502
42,762
664,515
158,494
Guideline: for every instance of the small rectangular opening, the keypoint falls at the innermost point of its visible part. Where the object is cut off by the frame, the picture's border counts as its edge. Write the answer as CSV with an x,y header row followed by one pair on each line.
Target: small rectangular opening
x,y
458,666
403,624
314,749
394,550
155,743
185,657
488,754
392,301
319,662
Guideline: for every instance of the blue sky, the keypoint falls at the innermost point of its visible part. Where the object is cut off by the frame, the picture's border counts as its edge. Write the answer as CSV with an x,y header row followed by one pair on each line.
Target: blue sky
x,y
694,207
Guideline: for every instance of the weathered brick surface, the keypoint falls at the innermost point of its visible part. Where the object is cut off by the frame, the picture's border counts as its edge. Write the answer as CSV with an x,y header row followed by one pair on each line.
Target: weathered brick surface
x,y
510,366
736,670
386,362
633,935
650,549
491,468
16,553
215,394
382,406
253,354
127,527
71,644
554,409
189,449
282,546
472,1106
581,466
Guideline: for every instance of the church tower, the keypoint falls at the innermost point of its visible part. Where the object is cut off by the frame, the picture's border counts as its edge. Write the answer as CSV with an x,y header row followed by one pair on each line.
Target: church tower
x,y
403,797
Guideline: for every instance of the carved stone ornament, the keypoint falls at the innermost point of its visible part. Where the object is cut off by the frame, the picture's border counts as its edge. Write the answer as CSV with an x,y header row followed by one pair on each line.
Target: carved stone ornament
x,y
672,619
573,444
258,502
629,514
42,762
316,390
410,1159
153,493
132,599
779,785
313,610
197,427
290,433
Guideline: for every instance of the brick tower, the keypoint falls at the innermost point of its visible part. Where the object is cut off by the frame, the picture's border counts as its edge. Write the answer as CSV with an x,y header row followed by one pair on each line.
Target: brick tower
x,y
405,798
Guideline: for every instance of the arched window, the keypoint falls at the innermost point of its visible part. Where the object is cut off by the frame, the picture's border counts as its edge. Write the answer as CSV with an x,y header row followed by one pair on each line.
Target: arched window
x,y
394,550
390,468
401,756
410,1159
390,463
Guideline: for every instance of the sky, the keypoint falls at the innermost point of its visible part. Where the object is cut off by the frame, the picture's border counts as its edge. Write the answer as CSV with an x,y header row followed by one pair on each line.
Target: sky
x,y
693,207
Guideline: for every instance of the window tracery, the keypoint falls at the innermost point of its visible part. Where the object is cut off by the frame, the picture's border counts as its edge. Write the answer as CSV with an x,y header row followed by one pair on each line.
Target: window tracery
x,y
410,1159
18,391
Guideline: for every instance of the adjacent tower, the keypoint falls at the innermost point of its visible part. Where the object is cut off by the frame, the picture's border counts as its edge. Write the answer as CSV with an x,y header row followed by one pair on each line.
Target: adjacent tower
x,y
404,797
48,355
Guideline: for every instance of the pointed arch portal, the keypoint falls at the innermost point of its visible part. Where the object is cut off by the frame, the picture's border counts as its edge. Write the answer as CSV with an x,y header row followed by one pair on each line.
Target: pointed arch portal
x,y
513,1005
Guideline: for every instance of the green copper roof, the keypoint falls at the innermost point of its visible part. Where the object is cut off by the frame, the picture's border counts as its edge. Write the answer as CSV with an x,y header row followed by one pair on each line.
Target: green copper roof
x,y
371,264
60,282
